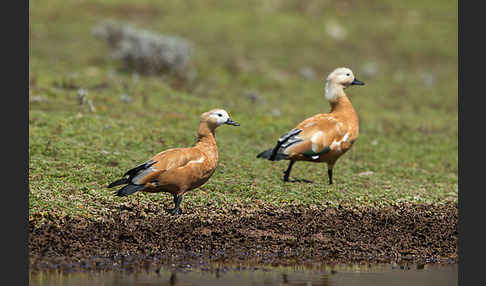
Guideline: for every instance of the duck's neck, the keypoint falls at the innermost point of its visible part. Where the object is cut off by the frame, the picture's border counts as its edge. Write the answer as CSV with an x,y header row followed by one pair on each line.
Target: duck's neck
x,y
206,140
338,100
342,105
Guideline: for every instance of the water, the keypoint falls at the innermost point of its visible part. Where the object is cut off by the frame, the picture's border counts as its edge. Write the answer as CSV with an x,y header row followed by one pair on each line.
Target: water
x,y
336,275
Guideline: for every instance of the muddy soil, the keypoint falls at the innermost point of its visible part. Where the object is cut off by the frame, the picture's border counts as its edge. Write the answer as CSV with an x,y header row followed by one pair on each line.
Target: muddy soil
x,y
136,237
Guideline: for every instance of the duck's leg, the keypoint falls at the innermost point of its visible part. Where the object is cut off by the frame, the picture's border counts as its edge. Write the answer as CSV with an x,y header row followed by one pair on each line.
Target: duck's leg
x,y
295,180
177,202
330,166
287,172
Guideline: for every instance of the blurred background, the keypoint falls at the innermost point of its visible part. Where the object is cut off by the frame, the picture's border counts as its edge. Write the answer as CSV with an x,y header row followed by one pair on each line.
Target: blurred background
x,y
113,82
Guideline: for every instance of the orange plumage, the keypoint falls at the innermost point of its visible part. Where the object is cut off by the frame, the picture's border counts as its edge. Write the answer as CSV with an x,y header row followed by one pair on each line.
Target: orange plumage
x,y
178,170
323,137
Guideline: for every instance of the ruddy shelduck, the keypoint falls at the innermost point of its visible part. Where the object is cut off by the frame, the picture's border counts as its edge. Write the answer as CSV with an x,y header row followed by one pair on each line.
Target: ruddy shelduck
x,y
323,137
179,170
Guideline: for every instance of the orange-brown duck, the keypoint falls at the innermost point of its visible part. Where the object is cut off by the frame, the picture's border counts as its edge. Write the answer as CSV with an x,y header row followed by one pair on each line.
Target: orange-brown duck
x,y
178,170
323,137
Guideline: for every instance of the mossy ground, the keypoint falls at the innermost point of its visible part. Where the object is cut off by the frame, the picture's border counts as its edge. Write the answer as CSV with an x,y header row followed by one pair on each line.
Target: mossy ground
x,y
405,52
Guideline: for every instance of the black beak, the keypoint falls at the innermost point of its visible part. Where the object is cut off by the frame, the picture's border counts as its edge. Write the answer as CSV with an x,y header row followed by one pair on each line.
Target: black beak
x,y
231,122
357,82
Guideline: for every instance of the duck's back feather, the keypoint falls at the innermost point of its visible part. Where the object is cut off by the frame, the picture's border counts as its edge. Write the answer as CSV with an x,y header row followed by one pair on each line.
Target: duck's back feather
x,y
311,139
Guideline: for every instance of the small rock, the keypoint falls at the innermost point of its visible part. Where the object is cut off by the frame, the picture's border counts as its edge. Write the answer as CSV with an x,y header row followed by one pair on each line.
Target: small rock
x,y
374,142
253,95
91,106
82,93
336,31
276,112
428,78
37,98
125,98
366,173
307,73
370,69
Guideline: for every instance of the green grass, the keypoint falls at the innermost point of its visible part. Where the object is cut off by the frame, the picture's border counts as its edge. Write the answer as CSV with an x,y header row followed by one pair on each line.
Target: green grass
x,y
408,125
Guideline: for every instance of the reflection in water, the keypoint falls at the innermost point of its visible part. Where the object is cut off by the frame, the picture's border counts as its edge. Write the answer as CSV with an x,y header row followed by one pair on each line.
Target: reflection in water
x,y
323,281
173,279
174,282
349,275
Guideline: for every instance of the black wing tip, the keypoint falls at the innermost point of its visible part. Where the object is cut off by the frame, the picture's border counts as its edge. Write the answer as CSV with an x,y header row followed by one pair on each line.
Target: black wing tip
x,y
128,190
118,182
142,166
271,155
274,155
265,154
112,184
279,157
119,194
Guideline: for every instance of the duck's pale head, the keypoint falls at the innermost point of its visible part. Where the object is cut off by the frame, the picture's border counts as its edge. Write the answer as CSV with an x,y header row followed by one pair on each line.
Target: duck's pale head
x,y
218,117
340,78
343,77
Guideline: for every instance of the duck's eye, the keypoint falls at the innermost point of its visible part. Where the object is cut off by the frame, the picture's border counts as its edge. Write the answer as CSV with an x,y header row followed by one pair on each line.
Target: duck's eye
x,y
220,115
347,74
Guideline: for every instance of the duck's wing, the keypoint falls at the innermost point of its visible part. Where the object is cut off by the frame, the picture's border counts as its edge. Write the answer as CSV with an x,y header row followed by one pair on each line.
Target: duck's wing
x,y
168,160
151,169
310,138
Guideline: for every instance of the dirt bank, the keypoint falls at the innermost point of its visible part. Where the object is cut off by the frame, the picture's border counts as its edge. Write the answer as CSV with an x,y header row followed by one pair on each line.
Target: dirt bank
x,y
139,236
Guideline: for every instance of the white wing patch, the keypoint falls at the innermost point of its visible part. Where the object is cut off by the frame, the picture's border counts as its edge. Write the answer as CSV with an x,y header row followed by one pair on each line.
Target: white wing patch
x,y
200,160
316,139
336,145
345,138
309,124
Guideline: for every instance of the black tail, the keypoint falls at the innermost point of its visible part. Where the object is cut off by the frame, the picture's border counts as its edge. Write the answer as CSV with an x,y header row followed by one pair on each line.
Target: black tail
x,y
129,189
283,142
119,182
267,154
131,174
